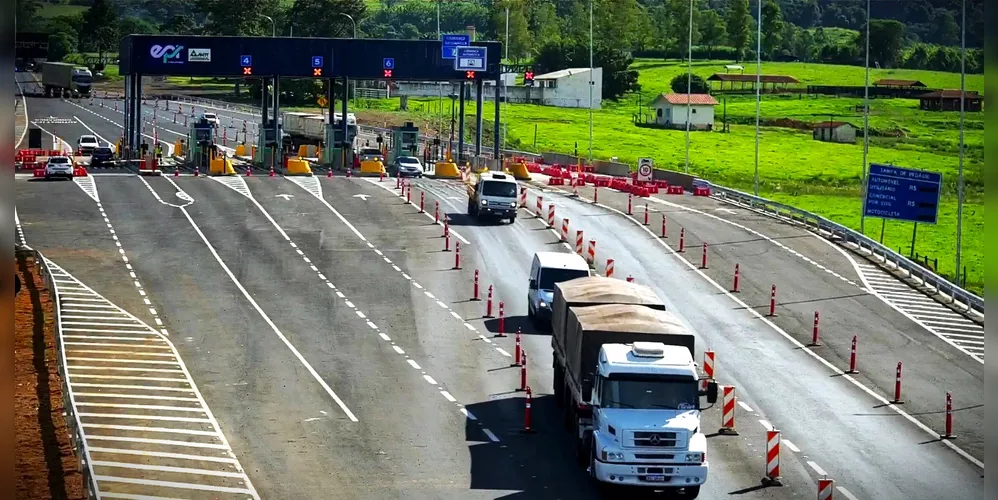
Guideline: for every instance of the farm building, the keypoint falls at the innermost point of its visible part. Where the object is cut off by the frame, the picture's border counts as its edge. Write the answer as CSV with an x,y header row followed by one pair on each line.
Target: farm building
x,y
741,83
949,100
903,84
567,88
670,110
842,132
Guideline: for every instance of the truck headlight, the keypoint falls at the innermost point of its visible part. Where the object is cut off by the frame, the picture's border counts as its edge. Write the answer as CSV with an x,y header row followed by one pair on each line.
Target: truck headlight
x,y
542,304
612,456
512,205
694,458
485,202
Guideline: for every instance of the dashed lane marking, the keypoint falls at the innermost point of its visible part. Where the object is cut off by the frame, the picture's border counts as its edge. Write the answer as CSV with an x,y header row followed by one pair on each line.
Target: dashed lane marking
x,y
113,406
316,190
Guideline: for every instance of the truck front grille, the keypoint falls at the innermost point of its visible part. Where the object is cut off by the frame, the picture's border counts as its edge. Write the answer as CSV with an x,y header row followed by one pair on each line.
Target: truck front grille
x,y
655,439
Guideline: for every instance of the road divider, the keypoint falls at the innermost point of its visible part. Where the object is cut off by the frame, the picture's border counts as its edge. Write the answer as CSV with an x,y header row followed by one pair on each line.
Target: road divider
x,y
728,402
815,341
948,433
738,272
772,302
527,416
488,303
703,258
474,294
852,356
518,358
523,371
502,319
772,477
609,268
682,240
897,386
457,255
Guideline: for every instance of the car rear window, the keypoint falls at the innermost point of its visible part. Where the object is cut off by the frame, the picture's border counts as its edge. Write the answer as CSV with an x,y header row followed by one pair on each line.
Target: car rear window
x,y
59,160
103,151
370,151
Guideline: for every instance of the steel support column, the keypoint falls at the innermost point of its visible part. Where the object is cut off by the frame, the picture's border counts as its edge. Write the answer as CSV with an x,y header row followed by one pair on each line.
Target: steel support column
x,y
460,125
277,159
479,90
496,152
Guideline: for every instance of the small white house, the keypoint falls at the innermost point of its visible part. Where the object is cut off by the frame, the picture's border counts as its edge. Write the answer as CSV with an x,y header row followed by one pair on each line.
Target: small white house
x,y
567,88
835,132
671,110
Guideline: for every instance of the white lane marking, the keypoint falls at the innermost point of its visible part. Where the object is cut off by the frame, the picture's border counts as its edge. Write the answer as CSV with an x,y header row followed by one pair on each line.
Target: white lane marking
x,y
834,369
171,484
492,437
745,406
503,352
24,106
428,215
164,468
413,364
372,325
441,304
766,424
790,445
360,315
160,454
165,442
430,380
169,146
384,337
846,493
430,295
468,414
817,468
456,316
398,349
448,396
266,318
350,304
469,326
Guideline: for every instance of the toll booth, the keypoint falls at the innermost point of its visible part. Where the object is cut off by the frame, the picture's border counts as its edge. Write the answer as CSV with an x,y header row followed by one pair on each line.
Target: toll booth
x,y
340,152
405,140
267,142
200,143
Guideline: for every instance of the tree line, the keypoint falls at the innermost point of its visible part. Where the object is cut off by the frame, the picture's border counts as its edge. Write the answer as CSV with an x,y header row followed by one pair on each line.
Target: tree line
x,y
554,34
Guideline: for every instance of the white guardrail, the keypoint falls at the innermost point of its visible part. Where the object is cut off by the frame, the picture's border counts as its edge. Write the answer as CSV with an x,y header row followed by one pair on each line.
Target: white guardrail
x,y
76,435
864,243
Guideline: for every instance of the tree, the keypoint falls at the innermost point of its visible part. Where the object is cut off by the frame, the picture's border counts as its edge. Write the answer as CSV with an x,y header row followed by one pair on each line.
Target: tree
x,y
680,26
182,24
772,26
100,27
887,40
324,18
26,11
61,44
738,22
618,79
519,33
697,83
240,18
712,30
946,31
544,21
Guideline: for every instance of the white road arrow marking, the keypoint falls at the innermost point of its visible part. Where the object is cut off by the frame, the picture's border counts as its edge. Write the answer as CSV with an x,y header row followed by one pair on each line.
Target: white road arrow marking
x,y
285,196
363,197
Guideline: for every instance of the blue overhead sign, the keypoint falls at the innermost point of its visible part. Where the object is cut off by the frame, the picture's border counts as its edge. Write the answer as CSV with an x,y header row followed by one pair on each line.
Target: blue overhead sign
x,y
388,63
245,61
316,61
470,59
902,194
451,43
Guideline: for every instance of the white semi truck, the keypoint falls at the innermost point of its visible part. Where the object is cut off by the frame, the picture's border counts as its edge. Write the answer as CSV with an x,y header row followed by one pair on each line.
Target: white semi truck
x,y
65,80
310,128
628,385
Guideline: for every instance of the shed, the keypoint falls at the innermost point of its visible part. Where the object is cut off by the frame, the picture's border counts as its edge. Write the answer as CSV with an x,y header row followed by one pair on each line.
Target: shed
x,y
889,82
831,131
949,100
742,82
671,110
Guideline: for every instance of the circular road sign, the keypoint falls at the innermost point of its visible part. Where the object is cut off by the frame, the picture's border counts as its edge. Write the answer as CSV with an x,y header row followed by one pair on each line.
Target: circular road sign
x,y
644,170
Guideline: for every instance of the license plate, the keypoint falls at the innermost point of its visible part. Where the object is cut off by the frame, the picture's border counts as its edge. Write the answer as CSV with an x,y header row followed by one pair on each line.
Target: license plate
x,y
655,479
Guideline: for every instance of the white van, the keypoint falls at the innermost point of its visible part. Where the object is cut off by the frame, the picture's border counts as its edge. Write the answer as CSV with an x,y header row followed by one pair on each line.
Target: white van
x,y
550,268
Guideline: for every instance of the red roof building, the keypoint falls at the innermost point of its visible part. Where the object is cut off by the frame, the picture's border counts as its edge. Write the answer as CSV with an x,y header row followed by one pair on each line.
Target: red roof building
x,y
949,100
671,110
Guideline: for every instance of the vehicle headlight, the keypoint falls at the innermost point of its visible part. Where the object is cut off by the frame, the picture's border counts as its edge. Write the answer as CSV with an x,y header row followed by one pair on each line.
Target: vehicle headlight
x,y
694,458
612,456
542,304
512,205
485,202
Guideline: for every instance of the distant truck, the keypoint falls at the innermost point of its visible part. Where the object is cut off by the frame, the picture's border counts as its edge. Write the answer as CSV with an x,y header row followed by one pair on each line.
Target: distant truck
x,y
66,80
310,129
628,385
492,194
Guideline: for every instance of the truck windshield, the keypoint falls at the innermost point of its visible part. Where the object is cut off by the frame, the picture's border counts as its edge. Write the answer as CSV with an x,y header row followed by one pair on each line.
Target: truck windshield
x,y
499,189
551,276
645,393
82,79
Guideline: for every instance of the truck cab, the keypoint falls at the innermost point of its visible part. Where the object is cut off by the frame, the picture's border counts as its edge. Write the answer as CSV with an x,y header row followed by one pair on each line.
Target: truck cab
x,y
646,418
493,194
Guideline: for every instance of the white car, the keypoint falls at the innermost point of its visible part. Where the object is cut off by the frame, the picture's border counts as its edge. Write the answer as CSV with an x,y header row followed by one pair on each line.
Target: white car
x,y
86,144
59,166
211,118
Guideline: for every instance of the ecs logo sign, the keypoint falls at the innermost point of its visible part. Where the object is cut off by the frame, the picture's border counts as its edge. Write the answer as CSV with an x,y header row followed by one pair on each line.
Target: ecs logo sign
x,y
198,55
168,53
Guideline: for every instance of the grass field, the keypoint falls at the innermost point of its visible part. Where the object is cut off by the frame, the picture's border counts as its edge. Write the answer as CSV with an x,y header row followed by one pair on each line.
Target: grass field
x,y
48,10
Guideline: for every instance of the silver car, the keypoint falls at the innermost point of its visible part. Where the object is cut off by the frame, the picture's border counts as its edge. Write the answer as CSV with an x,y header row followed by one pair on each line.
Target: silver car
x,y
408,166
59,166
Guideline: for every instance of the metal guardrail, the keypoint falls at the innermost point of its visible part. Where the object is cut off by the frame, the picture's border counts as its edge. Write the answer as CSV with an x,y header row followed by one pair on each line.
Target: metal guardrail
x,y
77,437
914,270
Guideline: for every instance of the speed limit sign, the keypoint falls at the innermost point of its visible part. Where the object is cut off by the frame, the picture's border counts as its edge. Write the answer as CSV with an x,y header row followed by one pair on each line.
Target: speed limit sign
x,y
644,169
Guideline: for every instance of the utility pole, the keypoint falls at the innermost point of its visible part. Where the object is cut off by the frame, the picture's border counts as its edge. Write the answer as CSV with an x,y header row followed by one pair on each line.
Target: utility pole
x,y
689,87
592,82
866,122
758,94
963,99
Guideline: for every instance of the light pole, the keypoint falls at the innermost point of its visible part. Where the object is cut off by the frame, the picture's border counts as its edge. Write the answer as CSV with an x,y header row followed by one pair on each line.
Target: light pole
x,y
505,93
963,98
273,24
758,94
689,90
354,23
866,122
591,83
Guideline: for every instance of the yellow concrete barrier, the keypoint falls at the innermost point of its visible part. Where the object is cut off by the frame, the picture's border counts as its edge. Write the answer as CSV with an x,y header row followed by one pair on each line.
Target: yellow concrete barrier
x,y
303,150
371,167
178,148
446,170
299,167
221,166
240,150
519,171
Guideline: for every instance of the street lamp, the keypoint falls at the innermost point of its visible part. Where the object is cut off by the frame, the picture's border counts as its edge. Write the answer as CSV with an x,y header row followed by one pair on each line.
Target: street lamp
x,y
273,24
689,89
963,99
354,23
758,95
591,82
866,121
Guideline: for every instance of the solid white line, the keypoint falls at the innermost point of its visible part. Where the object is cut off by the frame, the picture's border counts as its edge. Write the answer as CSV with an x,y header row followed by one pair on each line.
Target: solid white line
x,y
398,349
165,468
817,468
267,319
95,330
162,454
129,377
413,364
790,445
131,353
115,344
112,360
167,442
131,396
140,428
105,337
190,409
836,370
129,496
448,396
492,437
173,484
745,406
119,369
430,380
129,416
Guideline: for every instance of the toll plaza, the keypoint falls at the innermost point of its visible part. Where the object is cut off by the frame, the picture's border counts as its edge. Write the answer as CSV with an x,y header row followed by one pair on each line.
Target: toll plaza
x,y
455,58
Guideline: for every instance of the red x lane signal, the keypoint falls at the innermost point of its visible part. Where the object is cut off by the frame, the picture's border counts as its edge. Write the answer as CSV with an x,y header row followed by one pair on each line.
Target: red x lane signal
x,y
388,73
316,71
469,75
247,70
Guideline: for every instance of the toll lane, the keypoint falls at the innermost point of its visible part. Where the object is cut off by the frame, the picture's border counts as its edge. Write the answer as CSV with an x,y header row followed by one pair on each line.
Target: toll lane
x,y
794,391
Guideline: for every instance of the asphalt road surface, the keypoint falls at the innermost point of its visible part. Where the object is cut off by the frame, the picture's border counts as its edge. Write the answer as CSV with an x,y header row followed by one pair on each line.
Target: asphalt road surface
x,y
342,356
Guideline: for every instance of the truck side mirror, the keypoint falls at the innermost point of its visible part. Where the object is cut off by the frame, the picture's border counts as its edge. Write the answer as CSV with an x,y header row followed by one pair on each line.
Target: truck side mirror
x,y
712,392
532,284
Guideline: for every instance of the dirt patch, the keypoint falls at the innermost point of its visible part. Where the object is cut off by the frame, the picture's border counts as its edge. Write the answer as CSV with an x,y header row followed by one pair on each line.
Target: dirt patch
x,y
44,461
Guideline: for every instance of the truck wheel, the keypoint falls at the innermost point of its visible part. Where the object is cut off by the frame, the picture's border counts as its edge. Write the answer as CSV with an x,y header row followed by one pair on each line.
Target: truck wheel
x,y
559,383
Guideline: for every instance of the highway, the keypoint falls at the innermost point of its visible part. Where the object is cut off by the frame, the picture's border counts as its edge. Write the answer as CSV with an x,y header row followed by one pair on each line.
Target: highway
x,y
323,324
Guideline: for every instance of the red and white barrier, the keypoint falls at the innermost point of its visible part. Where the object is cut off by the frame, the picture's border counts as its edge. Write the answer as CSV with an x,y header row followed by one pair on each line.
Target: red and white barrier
x,y
630,279
488,304
826,489
738,273
708,364
579,239
646,214
457,255
474,294
564,229
540,206
682,239
502,320
728,411
518,356
592,252
523,197
703,259
772,302
523,372
815,340
447,242
446,226
772,458
948,433
897,387
609,268
527,416
852,356
551,215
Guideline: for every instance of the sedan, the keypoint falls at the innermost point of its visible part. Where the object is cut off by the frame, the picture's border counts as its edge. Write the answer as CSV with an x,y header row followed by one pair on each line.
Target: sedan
x,y
408,166
101,156
59,166
86,144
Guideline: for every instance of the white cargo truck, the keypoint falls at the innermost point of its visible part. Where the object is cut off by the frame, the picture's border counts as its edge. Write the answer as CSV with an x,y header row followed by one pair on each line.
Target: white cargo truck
x,y
66,80
626,379
310,128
